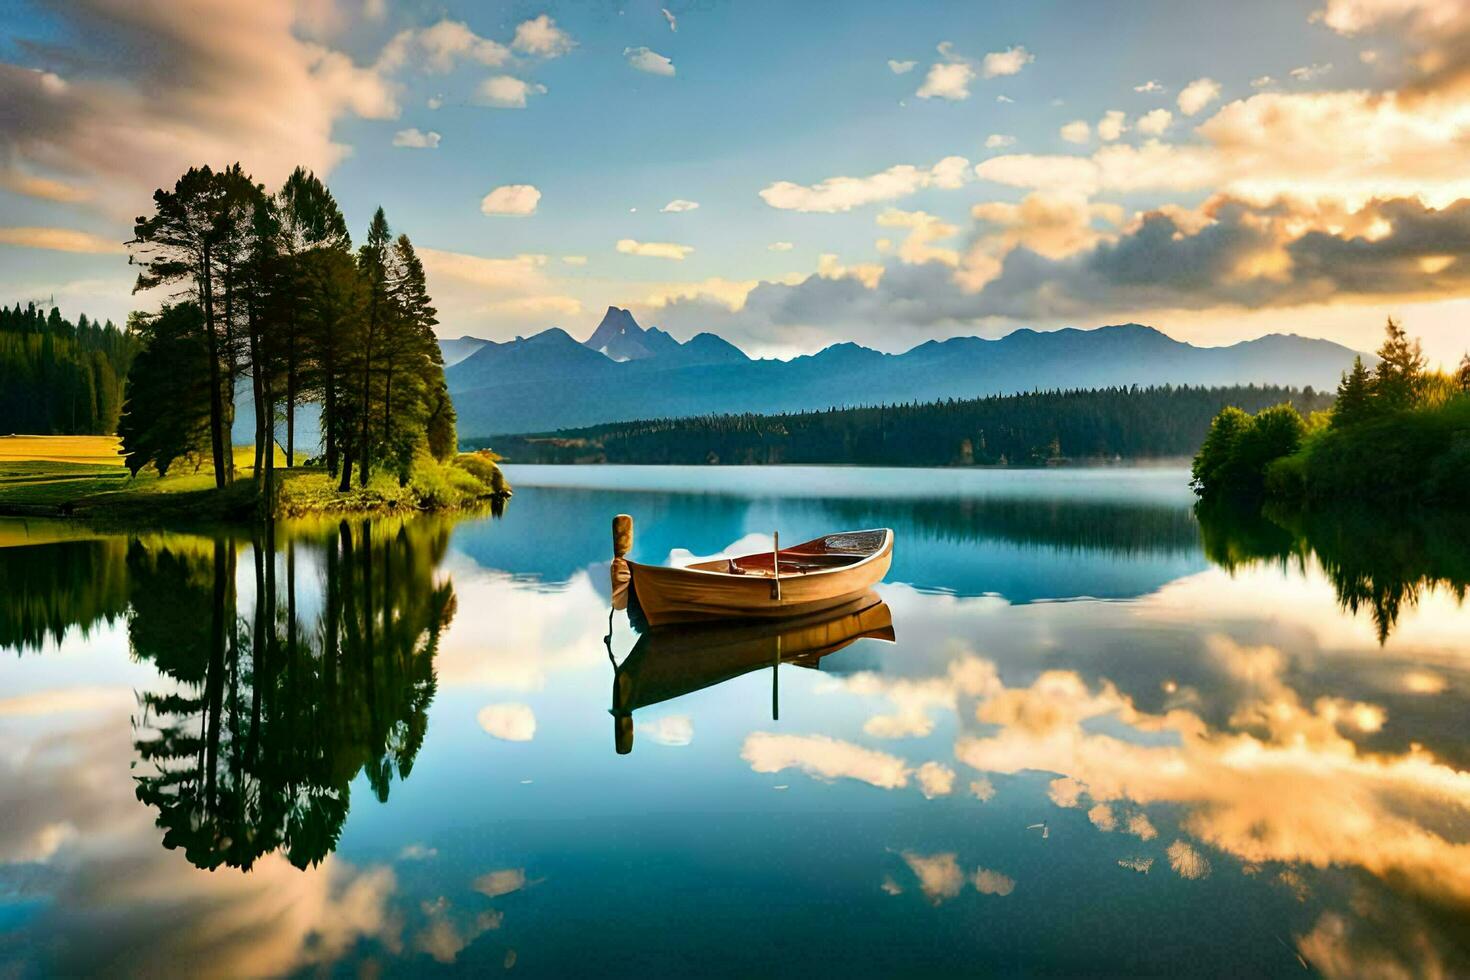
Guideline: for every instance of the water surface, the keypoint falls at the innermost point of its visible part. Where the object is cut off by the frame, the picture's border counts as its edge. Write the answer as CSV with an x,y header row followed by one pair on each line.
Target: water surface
x,y
1108,737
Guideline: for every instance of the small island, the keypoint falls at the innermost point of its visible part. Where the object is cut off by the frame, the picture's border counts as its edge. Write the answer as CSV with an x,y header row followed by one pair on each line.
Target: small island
x,y
1397,433
257,298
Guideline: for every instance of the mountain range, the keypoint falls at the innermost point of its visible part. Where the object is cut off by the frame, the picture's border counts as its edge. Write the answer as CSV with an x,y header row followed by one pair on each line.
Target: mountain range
x,y
624,371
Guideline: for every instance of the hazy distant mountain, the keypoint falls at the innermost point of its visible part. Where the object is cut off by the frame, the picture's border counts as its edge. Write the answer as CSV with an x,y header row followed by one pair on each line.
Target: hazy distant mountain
x,y
459,348
550,381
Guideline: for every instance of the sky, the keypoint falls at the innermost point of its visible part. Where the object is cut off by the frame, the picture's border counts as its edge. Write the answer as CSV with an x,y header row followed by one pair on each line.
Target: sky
x,y
786,175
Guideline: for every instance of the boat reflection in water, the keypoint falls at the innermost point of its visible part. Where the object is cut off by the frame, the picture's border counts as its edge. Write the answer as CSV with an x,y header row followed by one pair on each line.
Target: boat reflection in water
x,y
672,661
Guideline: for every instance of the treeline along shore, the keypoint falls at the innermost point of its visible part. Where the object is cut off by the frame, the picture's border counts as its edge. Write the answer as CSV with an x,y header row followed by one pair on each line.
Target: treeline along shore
x,y
1397,432
1035,428
261,293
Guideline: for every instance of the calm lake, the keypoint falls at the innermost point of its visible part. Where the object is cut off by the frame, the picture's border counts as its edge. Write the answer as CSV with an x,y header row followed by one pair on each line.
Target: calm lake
x,y
1106,736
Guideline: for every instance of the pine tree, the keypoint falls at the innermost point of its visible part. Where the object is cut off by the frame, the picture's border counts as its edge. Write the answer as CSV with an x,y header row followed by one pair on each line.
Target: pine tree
x,y
1400,373
1354,396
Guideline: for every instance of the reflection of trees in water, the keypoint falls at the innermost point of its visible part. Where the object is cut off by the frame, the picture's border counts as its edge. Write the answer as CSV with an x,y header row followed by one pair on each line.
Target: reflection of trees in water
x,y
1375,562
46,589
273,716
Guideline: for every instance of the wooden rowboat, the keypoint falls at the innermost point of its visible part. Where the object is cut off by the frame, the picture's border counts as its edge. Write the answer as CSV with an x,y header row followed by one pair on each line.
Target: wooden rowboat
x,y
812,577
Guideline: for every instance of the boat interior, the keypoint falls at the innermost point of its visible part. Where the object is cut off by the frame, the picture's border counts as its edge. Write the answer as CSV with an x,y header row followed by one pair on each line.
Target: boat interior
x,y
820,554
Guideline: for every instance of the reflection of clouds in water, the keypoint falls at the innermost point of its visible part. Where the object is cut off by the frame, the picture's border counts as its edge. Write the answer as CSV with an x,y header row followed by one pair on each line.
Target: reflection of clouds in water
x,y
509,722
1065,792
1186,861
493,884
935,779
512,634
824,758
674,730
1139,864
891,887
939,875
988,882
418,852
982,789
67,699
1424,682
116,902
447,932
916,698
1299,791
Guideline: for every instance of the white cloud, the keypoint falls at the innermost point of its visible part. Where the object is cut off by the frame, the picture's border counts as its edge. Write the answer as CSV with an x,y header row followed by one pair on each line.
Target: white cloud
x,y
999,141
654,250
1076,131
60,240
1112,125
982,789
1004,99
1311,72
509,722
541,37
124,126
439,47
901,67
1262,81
1198,94
512,199
947,81
647,60
677,205
923,230
574,259
668,16
434,101
508,92
845,193
1155,123
673,730
1149,86
780,246
1007,62
416,139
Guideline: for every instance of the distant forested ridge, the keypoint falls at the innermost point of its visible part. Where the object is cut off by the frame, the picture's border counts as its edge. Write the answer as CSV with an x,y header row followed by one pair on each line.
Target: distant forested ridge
x,y
59,377
1030,429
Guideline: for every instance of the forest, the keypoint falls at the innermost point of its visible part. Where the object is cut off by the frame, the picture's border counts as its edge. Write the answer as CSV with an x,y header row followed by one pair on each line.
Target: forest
x,y
1031,429
1398,431
266,287
60,377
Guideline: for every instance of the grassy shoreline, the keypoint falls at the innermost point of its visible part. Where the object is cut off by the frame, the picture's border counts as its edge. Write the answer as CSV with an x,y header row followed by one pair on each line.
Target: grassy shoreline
x,y
82,478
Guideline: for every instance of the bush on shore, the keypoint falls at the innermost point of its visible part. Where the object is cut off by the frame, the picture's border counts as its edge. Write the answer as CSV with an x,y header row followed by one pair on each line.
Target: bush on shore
x,y
1396,432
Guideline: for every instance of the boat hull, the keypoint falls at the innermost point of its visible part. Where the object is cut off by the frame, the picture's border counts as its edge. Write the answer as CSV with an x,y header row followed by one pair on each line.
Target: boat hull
x,y
683,595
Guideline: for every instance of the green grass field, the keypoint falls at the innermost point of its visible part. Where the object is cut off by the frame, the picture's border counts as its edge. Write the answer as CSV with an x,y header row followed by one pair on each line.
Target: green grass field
x,y
84,476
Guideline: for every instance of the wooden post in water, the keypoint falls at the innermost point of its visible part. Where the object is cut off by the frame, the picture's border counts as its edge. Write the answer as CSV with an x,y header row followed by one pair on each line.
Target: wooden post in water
x,y
775,683
622,575
776,566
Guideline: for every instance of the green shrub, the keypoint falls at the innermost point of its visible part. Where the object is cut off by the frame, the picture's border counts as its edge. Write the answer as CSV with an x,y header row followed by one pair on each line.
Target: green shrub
x,y
1239,447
